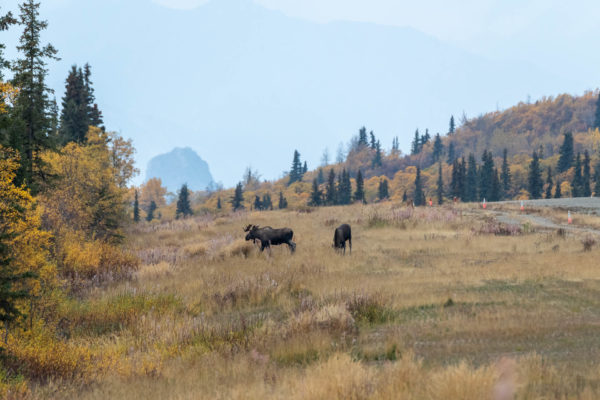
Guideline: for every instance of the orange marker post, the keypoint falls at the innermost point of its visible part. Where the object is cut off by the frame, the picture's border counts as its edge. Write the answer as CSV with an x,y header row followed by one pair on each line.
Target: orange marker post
x,y
484,204
569,219
430,202
522,206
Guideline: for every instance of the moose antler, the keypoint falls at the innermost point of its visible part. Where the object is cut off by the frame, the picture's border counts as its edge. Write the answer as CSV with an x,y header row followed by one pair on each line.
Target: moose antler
x,y
246,229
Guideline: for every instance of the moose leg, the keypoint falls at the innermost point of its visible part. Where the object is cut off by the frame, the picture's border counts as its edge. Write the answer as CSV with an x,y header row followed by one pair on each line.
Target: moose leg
x,y
292,246
344,248
350,240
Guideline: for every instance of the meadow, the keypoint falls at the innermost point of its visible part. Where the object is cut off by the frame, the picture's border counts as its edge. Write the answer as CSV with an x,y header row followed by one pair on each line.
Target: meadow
x,y
433,303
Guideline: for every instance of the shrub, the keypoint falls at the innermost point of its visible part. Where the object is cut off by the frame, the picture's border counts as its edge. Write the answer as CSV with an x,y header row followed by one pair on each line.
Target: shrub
x,y
588,242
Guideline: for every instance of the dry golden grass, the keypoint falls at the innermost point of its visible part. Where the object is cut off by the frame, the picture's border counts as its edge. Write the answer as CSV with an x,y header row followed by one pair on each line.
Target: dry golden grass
x,y
430,305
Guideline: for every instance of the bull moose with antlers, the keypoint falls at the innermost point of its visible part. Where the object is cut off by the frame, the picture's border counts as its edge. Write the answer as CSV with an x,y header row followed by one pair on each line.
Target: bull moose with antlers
x,y
269,236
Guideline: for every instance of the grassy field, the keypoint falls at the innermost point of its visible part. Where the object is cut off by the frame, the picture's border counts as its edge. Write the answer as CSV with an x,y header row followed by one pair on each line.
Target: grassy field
x,y
433,303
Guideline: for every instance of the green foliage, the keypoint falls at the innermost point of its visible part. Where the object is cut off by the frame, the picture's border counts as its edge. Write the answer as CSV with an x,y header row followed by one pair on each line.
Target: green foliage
x,y
597,180
377,159
557,191
344,189
267,203
451,154
359,194
418,196
184,208
383,190
331,194
486,177
362,137
471,188
297,171
566,152
316,196
415,147
219,206
136,208
587,177
577,183
438,148
282,201
597,113
440,186
505,174
237,201
452,127
549,184
151,210
536,183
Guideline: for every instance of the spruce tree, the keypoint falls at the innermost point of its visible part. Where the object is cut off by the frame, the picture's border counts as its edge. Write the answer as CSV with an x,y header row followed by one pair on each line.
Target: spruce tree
x,y
296,171
237,201
471,182
404,197
565,161
587,176
344,188
463,179
452,126
455,190
320,177
94,113
5,22
33,105
486,176
496,186
418,193
440,185
377,159
219,206
267,203
395,146
577,183
549,184
438,148
151,209
184,208
505,175
331,189
425,139
536,184
362,137
359,194
597,180
373,141
282,201
74,118
557,191
597,113
383,190
416,144
258,206
304,169
316,195
136,208
451,153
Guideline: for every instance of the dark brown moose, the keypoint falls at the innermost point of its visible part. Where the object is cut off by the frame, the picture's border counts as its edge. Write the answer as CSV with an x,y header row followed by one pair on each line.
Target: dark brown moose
x,y
342,233
269,236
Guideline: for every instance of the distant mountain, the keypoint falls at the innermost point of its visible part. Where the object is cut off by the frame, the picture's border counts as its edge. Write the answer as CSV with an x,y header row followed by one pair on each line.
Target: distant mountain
x,y
182,165
253,84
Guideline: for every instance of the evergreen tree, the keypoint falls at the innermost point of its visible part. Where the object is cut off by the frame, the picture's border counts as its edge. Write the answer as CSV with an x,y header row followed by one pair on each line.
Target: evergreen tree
x,y
257,203
5,22
577,183
219,206
440,185
344,188
416,144
587,176
438,148
597,113
237,201
557,191
463,179
418,194
297,170
505,175
151,209
549,183
597,180
383,190
496,186
282,201
184,208
452,126
424,139
320,177
33,105
377,159
304,169
136,208
331,189
566,153
451,153
373,141
94,113
471,182
316,195
74,119
359,194
404,197
486,176
455,189
395,146
536,184
362,137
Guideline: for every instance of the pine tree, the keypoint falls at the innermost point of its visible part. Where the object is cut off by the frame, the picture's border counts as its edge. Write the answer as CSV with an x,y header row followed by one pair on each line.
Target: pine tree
x,y
257,203
320,177
282,201
297,170
331,189
438,148
418,194
597,113
94,113
451,153
184,208
383,190
237,201
304,169
597,180
440,185
316,195
587,176
566,153
136,208
557,191
151,209
416,144
359,194
505,175
452,126
373,141
471,182
344,188
577,183
549,184
219,206
33,105
486,176
536,184
377,159
362,137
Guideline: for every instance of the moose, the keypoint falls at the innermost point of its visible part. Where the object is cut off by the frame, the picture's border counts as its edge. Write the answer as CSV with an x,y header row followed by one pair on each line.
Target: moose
x,y
342,233
269,236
